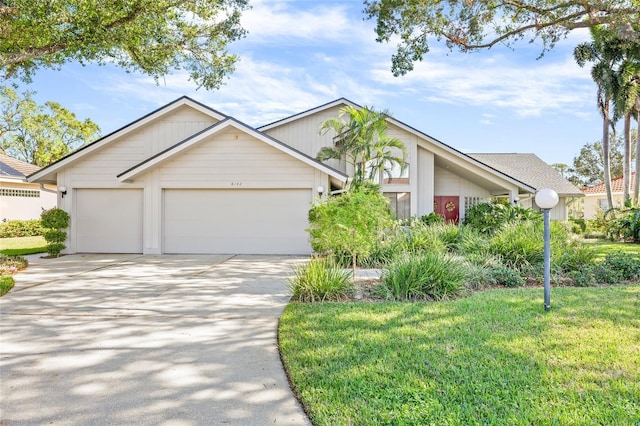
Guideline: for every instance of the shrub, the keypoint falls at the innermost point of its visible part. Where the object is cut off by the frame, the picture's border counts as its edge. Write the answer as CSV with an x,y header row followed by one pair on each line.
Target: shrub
x,y
627,265
478,275
427,276
507,277
603,275
624,224
488,218
55,219
21,228
431,219
578,225
12,264
6,284
318,280
350,223
583,277
519,245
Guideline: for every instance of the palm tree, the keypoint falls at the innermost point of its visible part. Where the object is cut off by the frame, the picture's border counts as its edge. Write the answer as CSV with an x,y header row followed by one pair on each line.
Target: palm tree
x,y
604,55
363,142
627,93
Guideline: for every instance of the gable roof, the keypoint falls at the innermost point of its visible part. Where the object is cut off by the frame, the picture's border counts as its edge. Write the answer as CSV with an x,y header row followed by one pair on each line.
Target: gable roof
x,y
170,152
14,168
142,121
421,136
616,186
531,169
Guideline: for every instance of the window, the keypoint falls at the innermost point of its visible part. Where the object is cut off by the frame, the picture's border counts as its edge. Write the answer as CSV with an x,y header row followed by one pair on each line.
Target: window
x,y
400,204
28,193
397,176
473,201
604,205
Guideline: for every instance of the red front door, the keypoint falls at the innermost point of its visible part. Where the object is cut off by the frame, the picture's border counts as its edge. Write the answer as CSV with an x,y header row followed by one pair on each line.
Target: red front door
x,y
447,207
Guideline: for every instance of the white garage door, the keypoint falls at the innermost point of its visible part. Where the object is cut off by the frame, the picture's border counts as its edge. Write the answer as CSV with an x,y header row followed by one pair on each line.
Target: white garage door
x,y
108,221
244,221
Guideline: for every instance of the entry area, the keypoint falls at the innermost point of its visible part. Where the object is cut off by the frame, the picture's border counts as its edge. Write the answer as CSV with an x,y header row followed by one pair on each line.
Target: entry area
x,y
244,221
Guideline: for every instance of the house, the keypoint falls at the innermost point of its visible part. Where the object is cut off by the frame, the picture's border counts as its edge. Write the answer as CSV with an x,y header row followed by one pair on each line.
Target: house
x,y
189,179
531,169
19,199
595,197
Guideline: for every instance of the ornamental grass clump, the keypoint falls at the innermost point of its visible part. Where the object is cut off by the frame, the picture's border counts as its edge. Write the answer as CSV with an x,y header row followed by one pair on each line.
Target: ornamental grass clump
x,y
319,280
428,276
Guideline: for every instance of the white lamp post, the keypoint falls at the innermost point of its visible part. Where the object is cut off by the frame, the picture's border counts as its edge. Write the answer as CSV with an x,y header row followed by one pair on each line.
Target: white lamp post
x,y
547,199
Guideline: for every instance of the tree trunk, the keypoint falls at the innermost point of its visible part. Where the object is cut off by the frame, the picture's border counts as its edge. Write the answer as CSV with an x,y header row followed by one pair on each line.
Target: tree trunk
x,y
626,166
636,186
605,151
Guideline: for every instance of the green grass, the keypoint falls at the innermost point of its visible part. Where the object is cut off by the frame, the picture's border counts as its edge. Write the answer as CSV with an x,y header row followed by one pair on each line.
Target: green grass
x,y
22,246
492,358
6,284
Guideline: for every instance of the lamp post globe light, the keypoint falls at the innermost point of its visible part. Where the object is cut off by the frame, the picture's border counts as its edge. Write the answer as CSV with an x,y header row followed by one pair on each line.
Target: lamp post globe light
x,y
547,199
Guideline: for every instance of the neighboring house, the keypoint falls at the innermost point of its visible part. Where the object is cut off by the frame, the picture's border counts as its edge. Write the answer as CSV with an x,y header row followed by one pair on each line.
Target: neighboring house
x,y
595,197
531,169
189,179
19,199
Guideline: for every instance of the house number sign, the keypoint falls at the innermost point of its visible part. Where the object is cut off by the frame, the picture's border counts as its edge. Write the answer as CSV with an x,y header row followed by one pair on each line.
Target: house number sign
x,y
236,184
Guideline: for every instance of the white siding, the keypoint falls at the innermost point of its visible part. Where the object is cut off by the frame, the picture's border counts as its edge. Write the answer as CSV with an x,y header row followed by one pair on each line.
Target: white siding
x,y
236,160
304,134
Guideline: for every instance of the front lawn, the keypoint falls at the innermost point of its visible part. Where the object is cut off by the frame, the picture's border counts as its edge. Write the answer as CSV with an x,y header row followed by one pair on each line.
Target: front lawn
x,y
603,247
494,357
21,246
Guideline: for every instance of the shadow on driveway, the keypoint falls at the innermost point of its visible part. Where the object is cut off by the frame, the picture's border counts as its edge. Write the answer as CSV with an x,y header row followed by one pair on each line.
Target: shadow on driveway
x,y
162,340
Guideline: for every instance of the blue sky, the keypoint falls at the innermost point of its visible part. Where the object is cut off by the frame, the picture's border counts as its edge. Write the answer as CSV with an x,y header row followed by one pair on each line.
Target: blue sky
x,y
301,54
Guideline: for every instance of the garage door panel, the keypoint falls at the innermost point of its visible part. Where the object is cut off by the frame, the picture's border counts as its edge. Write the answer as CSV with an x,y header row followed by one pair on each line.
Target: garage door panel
x,y
108,220
236,221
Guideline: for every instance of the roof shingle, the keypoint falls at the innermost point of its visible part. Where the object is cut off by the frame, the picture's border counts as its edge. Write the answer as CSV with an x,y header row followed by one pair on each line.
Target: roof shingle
x,y
10,166
530,169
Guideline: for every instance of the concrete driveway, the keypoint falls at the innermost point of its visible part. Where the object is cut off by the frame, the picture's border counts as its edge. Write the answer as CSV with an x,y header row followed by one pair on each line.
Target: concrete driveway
x,y
146,340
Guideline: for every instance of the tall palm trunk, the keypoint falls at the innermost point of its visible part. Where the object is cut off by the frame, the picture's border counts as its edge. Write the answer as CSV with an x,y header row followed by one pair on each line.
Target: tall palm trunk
x,y
626,167
636,186
606,122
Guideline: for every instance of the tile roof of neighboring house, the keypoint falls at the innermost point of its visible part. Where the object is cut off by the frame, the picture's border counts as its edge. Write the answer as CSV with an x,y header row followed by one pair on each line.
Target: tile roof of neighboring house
x,y
11,167
616,186
530,169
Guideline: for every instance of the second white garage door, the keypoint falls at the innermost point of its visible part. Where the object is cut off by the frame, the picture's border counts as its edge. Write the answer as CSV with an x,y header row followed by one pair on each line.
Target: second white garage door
x,y
243,221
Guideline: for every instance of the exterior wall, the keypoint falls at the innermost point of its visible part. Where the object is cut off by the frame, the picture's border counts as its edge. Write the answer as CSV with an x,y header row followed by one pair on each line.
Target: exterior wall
x,y
228,160
303,134
447,183
592,203
14,205
100,168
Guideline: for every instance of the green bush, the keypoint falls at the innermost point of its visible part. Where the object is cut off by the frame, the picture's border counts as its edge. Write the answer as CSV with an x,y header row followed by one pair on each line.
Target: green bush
x,y
55,219
623,224
431,219
519,245
626,264
429,276
21,228
6,284
320,280
350,223
583,277
12,264
507,277
487,218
